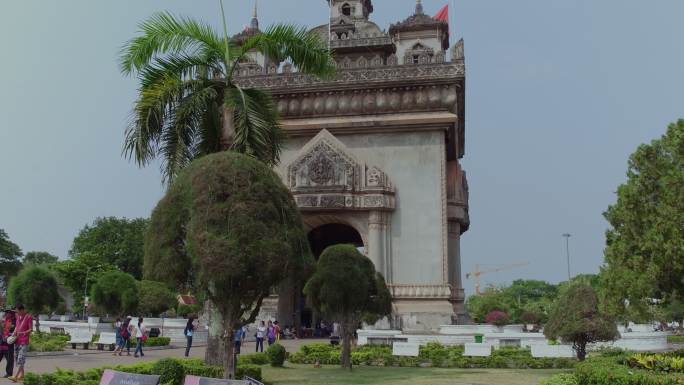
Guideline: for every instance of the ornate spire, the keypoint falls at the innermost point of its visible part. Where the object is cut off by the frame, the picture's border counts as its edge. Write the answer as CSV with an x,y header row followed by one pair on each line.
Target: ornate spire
x,y
255,20
419,7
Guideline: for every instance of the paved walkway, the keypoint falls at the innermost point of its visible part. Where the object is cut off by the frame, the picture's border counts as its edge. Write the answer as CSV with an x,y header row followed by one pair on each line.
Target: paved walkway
x,y
85,359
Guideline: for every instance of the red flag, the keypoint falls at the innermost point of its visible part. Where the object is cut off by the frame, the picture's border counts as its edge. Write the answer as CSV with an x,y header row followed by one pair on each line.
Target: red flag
x,y
443,14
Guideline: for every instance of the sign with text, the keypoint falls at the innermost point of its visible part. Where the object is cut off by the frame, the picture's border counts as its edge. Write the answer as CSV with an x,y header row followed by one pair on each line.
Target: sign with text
x,y
111,377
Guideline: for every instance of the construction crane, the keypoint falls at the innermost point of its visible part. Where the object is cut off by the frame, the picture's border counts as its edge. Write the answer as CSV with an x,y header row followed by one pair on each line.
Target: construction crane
x,y
477,273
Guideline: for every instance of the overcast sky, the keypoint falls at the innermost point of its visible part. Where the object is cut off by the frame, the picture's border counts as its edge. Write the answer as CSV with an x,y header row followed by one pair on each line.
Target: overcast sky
x,y
559,93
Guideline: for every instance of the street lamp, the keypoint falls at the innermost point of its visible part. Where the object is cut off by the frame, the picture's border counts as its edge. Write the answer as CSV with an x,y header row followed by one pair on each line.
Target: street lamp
x,y
85,289
567,251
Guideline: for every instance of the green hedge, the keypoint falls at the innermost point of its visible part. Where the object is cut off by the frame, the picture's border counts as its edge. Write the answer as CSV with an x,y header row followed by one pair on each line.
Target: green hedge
x,y
153,341
611,371
171,370
675,339
46,342
433,354
276,355
561,379
254,359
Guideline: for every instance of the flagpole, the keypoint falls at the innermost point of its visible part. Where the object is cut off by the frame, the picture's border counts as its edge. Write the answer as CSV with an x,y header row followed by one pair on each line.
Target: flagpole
x,y
453,21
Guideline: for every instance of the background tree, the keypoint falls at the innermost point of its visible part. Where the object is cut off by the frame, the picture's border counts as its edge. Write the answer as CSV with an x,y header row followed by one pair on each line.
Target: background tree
x,y
345,288
10,264
576,318
645,242
39,258
36,288
155,298
189,102
117,241
522,296
75,272
229,228
116,293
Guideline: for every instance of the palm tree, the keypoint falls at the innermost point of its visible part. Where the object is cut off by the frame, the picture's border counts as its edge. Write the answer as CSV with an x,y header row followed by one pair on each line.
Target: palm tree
x,y
189,103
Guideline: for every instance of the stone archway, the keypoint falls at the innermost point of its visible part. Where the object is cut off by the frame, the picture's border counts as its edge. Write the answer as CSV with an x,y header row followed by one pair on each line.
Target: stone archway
x,y
335,190
331,234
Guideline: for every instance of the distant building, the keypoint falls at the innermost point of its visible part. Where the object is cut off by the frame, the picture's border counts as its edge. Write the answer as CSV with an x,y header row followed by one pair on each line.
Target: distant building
x,y
372,157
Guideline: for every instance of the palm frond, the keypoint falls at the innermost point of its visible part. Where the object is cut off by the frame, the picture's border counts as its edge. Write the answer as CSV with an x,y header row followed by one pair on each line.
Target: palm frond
x,y
149,117
257,128
178,139
303,48
163,34
166,119
180,65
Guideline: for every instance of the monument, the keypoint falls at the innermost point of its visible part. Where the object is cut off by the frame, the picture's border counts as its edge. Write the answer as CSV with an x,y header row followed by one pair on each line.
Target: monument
x,y
372,157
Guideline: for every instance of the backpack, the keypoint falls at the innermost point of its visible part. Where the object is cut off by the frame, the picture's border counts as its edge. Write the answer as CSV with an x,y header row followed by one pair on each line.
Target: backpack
x,y
124,332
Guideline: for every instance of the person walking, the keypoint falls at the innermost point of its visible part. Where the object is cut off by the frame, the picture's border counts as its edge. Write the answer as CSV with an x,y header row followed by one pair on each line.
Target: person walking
x,y
125,333
140,338
239,337
6,349
270,333
117,333
276,326
22,333
189,331
260,333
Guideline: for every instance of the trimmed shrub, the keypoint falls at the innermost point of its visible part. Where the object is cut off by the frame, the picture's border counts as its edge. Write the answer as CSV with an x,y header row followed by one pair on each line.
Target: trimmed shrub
x,y
561,379
46,342
254,359
170,371
153,341
251,371
432,354
276,355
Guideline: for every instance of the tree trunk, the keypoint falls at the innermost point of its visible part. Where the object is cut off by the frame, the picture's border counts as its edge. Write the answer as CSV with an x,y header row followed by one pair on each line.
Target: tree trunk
x,y
347,335
581,348
215,347
228,357
37,318
228,130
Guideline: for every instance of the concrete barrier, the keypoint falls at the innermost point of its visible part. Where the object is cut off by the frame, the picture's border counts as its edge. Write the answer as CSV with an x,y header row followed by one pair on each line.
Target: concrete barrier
x,y
552,351
478,350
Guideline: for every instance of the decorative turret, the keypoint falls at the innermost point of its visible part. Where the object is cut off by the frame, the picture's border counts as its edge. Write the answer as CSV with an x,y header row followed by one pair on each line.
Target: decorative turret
x,y
250,31
420,39
255,21
419,7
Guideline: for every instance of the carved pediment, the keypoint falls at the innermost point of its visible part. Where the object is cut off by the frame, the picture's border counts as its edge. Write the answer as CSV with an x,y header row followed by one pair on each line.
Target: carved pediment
x,y
327,175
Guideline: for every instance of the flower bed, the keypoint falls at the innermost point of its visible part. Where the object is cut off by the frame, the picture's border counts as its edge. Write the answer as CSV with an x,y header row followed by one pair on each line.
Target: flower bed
x,y
172,372
433,354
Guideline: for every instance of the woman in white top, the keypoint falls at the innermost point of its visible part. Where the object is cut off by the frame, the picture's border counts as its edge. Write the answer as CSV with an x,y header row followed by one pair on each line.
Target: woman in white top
x,y
140,337
260,334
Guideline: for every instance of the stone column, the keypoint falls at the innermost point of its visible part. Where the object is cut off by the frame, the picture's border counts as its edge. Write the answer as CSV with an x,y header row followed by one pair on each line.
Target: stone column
x,y
376,240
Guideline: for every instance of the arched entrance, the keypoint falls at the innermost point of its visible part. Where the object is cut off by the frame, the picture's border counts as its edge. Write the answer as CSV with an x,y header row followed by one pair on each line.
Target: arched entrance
x,y
333,234
321,238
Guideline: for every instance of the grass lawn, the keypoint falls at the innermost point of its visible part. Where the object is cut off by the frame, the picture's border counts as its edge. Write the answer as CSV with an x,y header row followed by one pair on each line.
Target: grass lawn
x,y
363,375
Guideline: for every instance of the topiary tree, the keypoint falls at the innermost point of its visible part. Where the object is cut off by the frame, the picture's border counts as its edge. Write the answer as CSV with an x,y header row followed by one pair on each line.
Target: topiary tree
x,y
229,229
576,318
116,293
276,355
155,298
36,288
345,288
